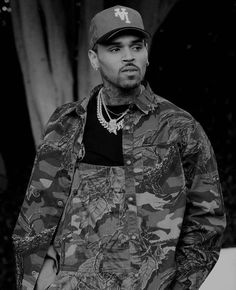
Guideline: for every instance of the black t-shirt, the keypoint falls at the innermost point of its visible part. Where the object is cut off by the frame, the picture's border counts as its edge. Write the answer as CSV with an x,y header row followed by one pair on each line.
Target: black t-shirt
x,y
102,147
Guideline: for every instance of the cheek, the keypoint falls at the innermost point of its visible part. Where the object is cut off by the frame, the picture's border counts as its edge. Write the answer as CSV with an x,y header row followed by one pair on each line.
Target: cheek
x,y
143,66
109,72
143,62
110,68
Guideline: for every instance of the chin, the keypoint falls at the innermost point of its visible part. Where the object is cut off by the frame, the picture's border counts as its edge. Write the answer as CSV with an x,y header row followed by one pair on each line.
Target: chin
x,y
129,85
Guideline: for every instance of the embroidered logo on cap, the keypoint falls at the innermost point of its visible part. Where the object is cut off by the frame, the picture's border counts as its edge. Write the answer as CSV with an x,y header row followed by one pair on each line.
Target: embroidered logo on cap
x,y
123,14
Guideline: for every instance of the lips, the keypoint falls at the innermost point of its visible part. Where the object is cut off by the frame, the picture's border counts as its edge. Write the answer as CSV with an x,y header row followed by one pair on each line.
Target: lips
x,y
129,69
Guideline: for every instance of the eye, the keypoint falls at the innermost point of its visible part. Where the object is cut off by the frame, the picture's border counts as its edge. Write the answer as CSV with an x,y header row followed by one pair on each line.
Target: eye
x,y
137,47
114,49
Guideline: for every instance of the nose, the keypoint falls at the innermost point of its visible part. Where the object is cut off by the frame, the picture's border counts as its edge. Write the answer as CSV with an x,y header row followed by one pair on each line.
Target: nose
x,y
128,55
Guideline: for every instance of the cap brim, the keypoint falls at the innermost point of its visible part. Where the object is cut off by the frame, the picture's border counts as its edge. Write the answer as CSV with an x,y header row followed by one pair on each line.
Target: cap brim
x,y
120,31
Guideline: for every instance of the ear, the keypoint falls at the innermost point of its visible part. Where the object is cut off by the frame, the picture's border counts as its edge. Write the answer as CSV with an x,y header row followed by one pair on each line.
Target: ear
x,y
93,59
147,46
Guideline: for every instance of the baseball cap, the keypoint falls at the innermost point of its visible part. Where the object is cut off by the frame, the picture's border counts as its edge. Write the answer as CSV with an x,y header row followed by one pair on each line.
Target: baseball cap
x,y
112,21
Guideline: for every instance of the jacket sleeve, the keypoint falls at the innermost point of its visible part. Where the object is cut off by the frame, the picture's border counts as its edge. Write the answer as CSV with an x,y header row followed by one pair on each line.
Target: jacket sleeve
x,y
47,192
204,221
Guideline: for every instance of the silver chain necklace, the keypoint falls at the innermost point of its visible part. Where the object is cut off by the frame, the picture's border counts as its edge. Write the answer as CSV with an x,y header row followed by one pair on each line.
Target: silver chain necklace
x,y
113,125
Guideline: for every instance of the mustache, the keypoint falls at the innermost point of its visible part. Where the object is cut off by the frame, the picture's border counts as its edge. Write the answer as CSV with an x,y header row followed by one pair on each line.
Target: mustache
x,y
129,66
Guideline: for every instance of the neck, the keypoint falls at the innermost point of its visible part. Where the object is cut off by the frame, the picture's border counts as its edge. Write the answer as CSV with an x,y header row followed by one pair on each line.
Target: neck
x,y
114,96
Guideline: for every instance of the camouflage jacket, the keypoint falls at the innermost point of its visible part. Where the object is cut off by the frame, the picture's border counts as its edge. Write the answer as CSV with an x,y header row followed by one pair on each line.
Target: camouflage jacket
x,y
171,175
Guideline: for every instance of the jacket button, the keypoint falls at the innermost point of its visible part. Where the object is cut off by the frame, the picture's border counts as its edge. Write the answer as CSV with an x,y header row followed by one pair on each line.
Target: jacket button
x,y
34,274
60,203
133,237
130,199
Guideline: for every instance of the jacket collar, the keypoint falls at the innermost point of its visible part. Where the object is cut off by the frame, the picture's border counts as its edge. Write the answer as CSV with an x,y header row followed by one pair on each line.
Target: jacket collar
x,y
147,101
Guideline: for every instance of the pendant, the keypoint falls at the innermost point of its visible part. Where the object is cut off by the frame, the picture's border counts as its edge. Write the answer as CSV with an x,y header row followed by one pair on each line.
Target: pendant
x,y
112,126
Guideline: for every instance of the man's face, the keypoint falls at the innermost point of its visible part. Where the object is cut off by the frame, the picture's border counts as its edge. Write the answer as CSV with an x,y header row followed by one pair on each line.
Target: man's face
x,y
122,62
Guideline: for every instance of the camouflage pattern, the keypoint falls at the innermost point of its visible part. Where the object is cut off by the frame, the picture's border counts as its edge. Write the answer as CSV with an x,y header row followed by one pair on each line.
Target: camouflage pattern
x,y
155,223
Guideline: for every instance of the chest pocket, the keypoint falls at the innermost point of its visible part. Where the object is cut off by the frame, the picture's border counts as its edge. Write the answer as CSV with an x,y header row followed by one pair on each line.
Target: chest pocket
x,y
97,195
162,174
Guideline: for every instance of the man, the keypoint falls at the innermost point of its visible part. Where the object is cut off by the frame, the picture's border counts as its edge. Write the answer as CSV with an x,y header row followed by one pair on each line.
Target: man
x,y
124,193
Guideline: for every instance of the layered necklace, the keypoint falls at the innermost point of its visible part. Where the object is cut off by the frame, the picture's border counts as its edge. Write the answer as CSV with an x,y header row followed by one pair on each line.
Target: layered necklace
x,y
113,125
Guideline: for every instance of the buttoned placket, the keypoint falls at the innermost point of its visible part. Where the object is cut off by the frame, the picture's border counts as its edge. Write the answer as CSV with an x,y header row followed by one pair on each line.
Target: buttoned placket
x,y
58,239
130,195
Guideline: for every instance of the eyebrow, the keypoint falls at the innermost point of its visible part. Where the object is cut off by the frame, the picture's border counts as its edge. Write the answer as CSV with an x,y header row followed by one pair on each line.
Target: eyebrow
x,y
118,43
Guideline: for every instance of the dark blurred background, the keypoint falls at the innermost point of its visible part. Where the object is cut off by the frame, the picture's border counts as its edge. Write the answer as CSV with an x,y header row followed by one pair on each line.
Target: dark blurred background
x,y
192,63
